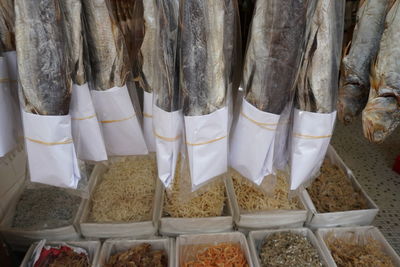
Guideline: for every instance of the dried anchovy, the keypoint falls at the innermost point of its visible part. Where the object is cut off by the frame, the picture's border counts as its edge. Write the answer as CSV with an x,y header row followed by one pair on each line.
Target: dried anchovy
x,y
288,249
140,256
333,191
353,251
44,208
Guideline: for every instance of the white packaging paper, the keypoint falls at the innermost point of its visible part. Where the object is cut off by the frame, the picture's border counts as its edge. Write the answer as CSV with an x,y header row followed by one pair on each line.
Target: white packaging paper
x,y
121,129
207,145
7,124
11,61
168,133
311,135
252,143
51,153
148,121
86,132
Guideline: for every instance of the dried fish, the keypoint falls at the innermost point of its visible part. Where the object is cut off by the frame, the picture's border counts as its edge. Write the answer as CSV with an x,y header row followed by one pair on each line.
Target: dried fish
x,y
108,52
381,116
167,47
74,29
61,256
288,249
7,16
275,47
42,58
354,80
202,62
319,72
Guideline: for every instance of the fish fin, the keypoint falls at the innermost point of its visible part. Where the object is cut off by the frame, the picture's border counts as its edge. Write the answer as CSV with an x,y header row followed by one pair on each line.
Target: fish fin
x,y
374,81
390,5
346,49
361,3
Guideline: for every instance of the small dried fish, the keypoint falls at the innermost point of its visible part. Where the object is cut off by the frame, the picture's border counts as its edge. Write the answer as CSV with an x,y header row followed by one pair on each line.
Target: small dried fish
x,y
74,29
108,53
202,59
319,72
167,47
275,47
7,16
42,58
381,116
354,80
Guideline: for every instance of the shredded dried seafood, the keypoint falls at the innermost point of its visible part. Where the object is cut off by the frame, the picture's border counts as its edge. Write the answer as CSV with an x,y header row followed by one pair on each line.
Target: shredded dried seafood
x,y
251,198
223,254
141,256
61,257
207,203
357,251
44,208
126,191
288,249
333,191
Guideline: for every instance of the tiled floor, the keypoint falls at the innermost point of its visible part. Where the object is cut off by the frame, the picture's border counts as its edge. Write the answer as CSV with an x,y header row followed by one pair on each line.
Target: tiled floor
x,y
372,165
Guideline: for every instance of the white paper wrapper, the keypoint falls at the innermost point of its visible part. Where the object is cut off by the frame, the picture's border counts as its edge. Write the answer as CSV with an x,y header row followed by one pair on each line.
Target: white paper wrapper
x,y
207,145
11,61
121,128
51,153
168,133
7,122
86,132
252,143
311,135
148,121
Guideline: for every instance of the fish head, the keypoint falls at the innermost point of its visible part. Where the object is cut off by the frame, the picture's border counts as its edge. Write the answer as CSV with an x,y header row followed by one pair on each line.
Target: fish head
x,y
380,118
352,99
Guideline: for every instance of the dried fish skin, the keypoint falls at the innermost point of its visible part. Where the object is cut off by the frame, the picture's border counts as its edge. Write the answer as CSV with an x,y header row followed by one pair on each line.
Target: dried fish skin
x,y
274,48
75,35
319,72
167,88
381,116
354,81
108,53
45,85
7,27
202,62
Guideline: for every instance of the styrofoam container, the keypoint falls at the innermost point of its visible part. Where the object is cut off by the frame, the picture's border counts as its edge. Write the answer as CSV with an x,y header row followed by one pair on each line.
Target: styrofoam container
x,y
367,231
21,239
116,229
248,221
186,244
256,240
170,226
340,218
92,247
113,246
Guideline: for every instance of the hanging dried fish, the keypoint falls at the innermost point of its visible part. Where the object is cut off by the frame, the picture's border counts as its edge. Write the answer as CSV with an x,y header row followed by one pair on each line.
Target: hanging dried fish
x,y
108,53
167,47
381,116
354,81
42,58
319,71
275,47
7,16
75,35
202,62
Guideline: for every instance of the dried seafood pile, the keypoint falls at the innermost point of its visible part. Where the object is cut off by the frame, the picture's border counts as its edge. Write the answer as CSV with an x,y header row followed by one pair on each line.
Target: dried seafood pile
x,y
126,191
141,255
252,198
62,256
44,208
352,251
288,249
333,191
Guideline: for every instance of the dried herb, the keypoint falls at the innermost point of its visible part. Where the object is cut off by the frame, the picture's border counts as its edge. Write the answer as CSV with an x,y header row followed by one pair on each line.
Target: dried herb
x,y
139,256
47,207
288,249
333,191
357,251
